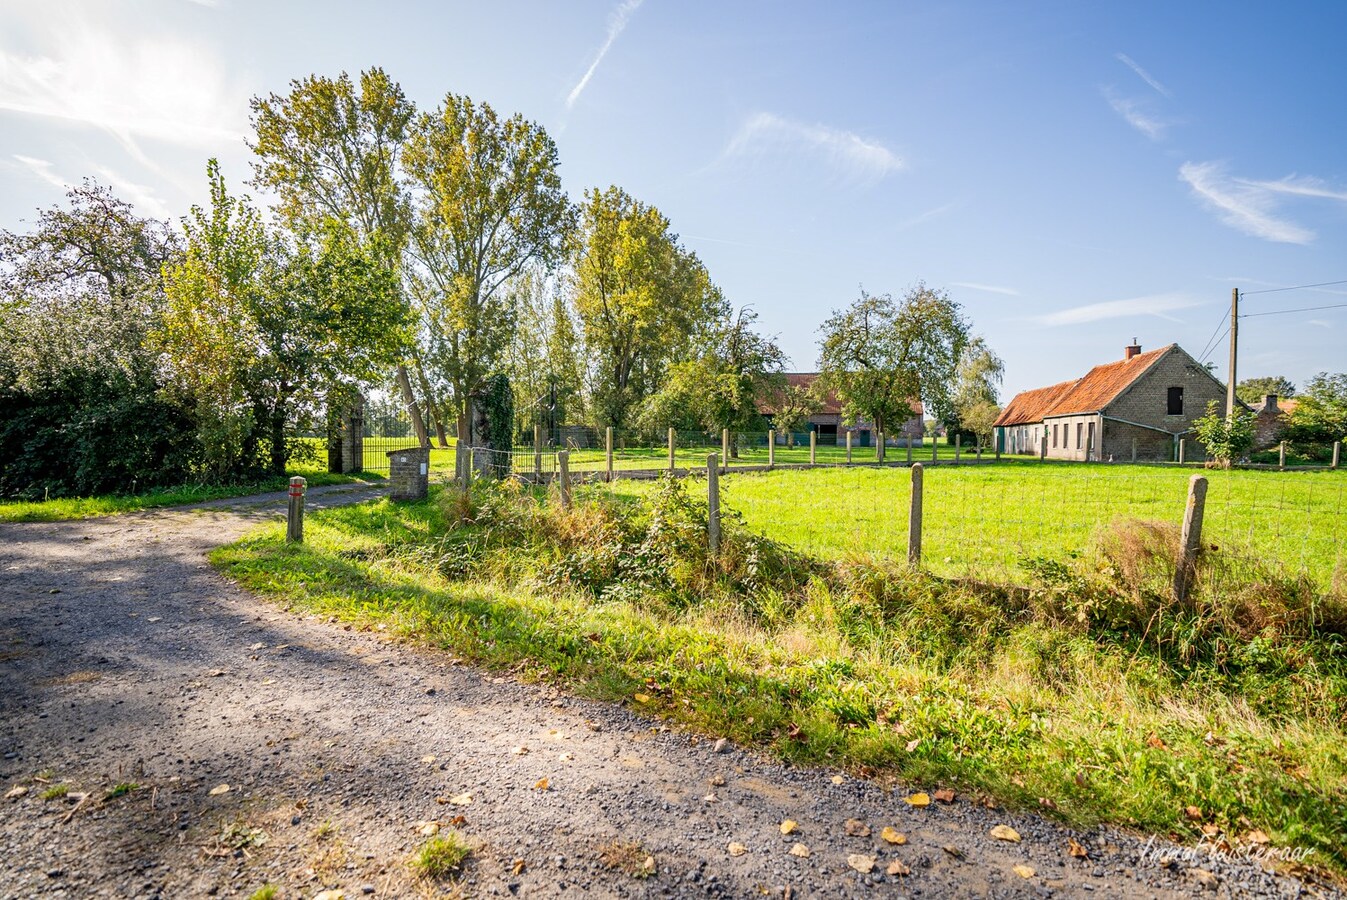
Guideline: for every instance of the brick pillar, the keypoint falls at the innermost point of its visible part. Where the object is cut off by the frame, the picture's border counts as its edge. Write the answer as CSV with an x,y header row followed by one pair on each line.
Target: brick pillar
x,y
409,473
353,436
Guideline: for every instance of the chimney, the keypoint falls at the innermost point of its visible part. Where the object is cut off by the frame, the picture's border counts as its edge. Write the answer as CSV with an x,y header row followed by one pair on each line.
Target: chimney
x,y
1270,402
1131,349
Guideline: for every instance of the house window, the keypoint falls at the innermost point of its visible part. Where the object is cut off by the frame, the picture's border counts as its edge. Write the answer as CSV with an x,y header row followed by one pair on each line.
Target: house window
x,y
1175,401
1054,435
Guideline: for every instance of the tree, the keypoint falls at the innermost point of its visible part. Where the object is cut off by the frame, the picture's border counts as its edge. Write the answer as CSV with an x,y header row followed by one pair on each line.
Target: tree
x,y
879,357
489,204
978,378
543,358
640,298
332,151
1253,390
796,405
80,409
721,386
1226,438
257,330
1320,416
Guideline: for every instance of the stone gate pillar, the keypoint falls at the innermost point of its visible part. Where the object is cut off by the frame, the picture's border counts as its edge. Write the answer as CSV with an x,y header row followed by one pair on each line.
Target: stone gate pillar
x,y
409,473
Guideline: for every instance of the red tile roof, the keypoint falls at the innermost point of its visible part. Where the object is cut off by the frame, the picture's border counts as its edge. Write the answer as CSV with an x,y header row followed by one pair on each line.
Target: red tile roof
x,y
1030,406
1090,394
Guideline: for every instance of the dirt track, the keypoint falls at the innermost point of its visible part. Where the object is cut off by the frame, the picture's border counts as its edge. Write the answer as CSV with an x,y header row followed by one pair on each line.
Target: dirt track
x,y
125,659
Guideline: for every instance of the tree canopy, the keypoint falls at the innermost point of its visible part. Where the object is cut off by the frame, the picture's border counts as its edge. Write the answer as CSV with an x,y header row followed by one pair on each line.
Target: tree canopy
x,y
1253,390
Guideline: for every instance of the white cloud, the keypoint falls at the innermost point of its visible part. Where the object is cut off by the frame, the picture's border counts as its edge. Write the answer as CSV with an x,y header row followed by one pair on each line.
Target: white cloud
x,y
1145,76
135,84
845,152
1320,323
1244,206
989,288
42,169
142,197
1157,305
616,22
1134,115
1306,186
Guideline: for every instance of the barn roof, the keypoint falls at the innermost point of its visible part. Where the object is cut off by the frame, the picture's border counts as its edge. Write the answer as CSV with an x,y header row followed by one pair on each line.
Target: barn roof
x,y
1096,390
1030,406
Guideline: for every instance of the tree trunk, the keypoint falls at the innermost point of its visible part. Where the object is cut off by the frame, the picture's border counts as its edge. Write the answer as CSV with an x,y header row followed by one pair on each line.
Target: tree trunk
x,y
410,400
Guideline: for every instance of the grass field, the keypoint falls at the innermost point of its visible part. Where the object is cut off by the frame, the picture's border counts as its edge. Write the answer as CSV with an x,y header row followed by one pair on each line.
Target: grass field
x,y
983,520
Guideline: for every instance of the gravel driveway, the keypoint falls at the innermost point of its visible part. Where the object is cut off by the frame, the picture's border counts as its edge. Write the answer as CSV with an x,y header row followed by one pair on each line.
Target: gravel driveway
x,y
125,660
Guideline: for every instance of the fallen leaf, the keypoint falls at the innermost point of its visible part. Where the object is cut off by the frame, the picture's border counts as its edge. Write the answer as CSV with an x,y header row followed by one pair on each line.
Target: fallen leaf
x,y
1257,836
838,779
857,828
520,751
330,895
642,698
893,836
16,792
709,798
542,785
1023,871
458,820
217,791
944,795
1076,850
429,829
648,866
919,800
789,825
719,745
518,866
258,646
1193,813
717,781
1006,833
737,849
428,759
800,850
1211,830
461,799
913,744
215,673
953,851
861,863
1047,802
897,868
267,681
1153,740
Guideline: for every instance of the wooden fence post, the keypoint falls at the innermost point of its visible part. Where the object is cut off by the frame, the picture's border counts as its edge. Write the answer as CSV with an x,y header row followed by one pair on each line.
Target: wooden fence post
x,y
725,449
608,450
538,453
771,447
712,504
1337,453
564,477
294,518
673,444
1191,538
813,447
1281,455
848,446
914,519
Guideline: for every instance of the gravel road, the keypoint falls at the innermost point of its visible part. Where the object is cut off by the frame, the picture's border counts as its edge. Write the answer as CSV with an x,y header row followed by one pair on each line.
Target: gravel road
x,y
126,660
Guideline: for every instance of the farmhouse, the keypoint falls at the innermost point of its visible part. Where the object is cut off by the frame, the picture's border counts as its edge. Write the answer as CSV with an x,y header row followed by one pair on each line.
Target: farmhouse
x,y
1137,407
1270,418
827,419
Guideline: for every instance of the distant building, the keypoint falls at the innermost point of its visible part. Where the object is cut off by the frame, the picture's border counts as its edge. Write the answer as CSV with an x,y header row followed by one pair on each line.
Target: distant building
x,y
1270,419
827,419
1143,404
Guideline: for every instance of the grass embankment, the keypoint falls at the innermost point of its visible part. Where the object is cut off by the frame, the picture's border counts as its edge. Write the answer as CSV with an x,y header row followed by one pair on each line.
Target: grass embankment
x,y
110,504
1092,696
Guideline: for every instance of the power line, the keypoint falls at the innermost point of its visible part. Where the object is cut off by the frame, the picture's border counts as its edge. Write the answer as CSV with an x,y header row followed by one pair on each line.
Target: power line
x,y
1282,312
1215,344
1213,341
1299,287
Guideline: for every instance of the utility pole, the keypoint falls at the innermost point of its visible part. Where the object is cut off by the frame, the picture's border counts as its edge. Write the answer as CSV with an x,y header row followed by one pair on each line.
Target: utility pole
x,y
1234,349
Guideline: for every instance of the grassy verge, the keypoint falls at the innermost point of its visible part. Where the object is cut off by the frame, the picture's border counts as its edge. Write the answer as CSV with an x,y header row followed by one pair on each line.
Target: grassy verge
x,y
88,507
1091,696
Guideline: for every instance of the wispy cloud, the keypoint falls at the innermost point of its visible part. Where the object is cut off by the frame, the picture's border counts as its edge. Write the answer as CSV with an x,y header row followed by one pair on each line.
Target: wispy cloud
x,y
42,169
989,288
1145,76
616,22
1158,305
141,196
1133,113
1244,206
929,214
1306,186
846,153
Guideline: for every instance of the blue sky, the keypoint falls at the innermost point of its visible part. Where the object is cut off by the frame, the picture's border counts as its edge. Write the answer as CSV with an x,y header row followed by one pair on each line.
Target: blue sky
x,y
1075,174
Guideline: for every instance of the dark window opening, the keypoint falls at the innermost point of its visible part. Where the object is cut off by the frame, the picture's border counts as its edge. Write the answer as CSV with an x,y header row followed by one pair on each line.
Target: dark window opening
x,y
1079,426
1175,401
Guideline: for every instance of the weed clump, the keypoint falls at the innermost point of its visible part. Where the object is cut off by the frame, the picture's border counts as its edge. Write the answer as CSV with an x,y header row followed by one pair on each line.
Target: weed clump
x,y
440,856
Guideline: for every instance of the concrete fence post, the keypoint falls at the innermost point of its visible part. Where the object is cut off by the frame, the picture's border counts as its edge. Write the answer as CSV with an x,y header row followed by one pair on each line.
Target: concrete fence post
x,y
1183,450
538,453
958,446
1191,538
813,447
294,517
914,519
673,444
1043,446
712,504
1337,453
771,448
1134,449
883,447
725,448
564,477
848,446
1281,455
608,450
